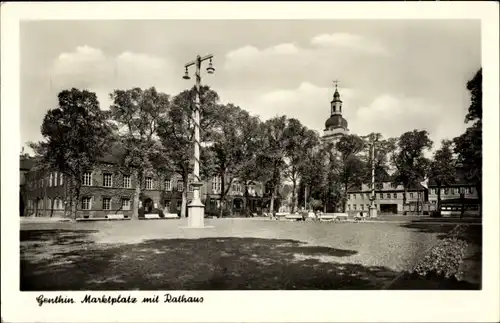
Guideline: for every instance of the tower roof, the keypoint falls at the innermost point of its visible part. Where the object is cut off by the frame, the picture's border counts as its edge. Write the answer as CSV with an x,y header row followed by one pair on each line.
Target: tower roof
x,y
336,121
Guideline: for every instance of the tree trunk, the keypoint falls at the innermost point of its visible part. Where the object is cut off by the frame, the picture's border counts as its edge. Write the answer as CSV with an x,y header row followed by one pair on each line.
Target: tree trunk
x,y
479,189
222,194
137,194
405,189
294,195
185,185
344,201
439,198
52,207
271,204
245,208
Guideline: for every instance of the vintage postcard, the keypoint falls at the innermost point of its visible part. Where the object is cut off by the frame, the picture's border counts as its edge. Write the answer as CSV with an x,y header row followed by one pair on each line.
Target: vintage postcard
x,y
249,162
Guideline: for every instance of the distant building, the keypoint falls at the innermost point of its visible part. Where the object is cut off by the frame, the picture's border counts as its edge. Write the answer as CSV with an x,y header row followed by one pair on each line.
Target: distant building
x,y
388,198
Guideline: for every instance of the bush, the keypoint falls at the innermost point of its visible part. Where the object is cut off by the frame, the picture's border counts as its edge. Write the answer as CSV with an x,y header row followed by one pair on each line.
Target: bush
x,y
445,258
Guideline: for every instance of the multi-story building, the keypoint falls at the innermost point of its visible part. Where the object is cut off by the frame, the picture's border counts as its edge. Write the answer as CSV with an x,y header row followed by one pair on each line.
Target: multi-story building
x,y
106,190
388,198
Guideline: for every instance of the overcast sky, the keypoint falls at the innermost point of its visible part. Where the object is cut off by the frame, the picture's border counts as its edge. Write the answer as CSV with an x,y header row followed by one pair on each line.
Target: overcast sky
x,y
394,75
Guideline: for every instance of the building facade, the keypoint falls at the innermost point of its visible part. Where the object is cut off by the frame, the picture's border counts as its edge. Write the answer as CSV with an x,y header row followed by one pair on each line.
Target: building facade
x,y
388,198
108,190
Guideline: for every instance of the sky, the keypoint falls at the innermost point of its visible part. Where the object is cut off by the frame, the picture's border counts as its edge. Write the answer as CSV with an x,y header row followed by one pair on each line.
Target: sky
x,y
393,75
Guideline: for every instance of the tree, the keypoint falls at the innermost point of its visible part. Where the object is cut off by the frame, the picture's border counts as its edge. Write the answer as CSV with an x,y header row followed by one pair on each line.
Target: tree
x,y
442,168
249,172
176,134
273,153
468,146
409,161
231,138
76,136
300,141
475,87
137,114
314,174
348,168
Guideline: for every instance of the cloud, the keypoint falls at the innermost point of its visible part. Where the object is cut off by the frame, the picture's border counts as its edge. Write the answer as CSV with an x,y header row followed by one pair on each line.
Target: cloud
x,y
90,68
393,115
348,41
306,102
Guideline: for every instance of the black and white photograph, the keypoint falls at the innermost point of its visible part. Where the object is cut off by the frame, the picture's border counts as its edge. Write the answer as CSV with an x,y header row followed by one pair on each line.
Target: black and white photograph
x,y
182,155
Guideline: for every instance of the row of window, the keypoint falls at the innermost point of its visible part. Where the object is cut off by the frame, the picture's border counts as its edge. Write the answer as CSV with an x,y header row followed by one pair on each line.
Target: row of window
x,y
54,179
107,181
106,203
380,195
217,186
361,207
446,191
453,190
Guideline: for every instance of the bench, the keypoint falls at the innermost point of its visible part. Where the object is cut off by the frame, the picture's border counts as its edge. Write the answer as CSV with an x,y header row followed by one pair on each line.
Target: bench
x,y
115,216
333,217
294,217
149,216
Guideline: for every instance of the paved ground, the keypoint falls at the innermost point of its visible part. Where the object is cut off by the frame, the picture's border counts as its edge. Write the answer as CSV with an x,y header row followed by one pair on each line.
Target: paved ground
x,y
234,254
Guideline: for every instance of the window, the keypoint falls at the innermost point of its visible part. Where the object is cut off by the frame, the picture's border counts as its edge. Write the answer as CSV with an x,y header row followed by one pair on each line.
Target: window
x,y
381,195
455,191
354,196
216,184
388,195
61,181
367,206
379,186
354,206
49,204
446,190
362,206
107,180
395,195
126,204
411,195
126,181
87,179
60,205
179,204
106,203
432,190
469,190
149,183
348,207
50,179
86,203
393,185
180,186
168,185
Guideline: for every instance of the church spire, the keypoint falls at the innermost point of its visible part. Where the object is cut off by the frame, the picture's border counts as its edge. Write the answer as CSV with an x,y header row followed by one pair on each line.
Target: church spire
x,y
336,103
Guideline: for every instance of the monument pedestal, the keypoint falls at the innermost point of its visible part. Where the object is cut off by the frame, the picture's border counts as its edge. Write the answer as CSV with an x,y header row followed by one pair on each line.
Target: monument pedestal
x,y
196,209
196,214
373,211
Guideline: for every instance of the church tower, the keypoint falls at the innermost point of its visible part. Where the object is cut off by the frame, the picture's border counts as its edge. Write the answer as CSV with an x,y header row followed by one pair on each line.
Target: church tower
x,y
336,125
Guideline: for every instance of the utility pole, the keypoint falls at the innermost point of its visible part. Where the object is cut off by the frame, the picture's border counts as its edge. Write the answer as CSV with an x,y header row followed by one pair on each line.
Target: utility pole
x,y
196,209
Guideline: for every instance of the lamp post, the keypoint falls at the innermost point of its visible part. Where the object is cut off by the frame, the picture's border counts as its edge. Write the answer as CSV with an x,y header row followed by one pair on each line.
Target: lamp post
x,y
373,209
196,209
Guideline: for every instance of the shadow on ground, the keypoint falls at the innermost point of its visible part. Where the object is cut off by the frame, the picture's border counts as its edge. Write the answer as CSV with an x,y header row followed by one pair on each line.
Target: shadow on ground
x,y
224,263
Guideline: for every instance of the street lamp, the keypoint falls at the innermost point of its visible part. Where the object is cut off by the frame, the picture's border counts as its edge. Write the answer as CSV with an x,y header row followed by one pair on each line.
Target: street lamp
x,y
196,209
373,209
